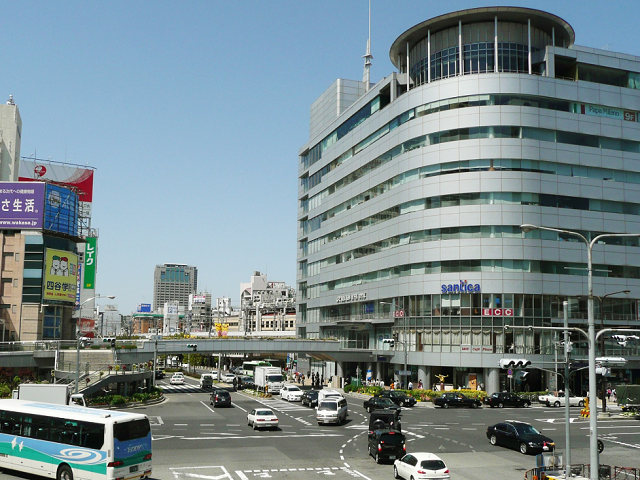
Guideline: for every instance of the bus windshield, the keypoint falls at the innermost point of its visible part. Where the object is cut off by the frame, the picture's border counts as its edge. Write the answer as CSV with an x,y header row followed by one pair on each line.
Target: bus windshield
x,y
131,430
249,367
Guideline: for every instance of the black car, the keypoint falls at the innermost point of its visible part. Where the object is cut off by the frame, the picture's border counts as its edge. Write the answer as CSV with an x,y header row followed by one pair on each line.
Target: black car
x,y
455,399
519,436
221,398
386,445
159,374
385,419
504,399
379,403
399,398
310,398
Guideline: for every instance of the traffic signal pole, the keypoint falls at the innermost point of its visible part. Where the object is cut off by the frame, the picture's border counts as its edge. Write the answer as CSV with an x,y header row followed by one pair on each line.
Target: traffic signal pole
x,y
567,418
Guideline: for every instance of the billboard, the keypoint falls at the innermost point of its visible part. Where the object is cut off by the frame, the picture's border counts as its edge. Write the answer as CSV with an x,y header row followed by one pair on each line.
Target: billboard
x,y
61,210
90,260
144,308
21,205
61,173
86,327
60,275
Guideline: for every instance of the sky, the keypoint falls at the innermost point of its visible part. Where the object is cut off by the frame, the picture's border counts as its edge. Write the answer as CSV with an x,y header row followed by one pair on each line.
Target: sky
x,y
193,114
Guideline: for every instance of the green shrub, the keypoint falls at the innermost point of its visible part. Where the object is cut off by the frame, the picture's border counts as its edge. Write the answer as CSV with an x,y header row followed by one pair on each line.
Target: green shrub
x,y
118,400
5,391
349,388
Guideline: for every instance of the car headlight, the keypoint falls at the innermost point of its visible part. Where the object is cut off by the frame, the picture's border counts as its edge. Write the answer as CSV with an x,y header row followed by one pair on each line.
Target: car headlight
x,y
533,444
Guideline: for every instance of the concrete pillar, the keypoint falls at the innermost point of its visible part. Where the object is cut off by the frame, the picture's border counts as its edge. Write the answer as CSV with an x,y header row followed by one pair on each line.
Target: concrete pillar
x,y
424,375
492,380
340,369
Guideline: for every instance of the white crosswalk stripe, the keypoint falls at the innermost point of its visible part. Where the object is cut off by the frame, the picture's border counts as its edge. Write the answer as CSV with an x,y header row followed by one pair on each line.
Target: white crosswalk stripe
x,y
282,405
182,389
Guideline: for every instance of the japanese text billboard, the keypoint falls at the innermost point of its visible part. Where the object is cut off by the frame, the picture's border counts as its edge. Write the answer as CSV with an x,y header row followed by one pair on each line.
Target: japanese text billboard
x,y
60,276
90,259
21,205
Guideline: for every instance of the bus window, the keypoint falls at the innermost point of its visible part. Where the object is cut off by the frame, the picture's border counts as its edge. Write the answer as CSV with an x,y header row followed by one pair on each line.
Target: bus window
x,y
131,430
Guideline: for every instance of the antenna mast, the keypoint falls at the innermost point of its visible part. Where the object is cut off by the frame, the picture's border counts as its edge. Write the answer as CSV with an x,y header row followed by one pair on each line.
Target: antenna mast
x,y
367,56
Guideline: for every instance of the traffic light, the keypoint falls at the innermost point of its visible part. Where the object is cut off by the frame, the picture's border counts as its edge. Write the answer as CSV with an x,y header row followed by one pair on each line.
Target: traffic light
x,y
193,345
604,371
389,341
514,363
113,343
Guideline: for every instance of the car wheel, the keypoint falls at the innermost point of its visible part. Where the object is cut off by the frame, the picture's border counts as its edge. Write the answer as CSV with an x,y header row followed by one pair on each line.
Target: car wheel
x,y
402,403
581,403
395,472
523,448
501,405
474,405
369,409
556,404
255,427
64,473
493,440
527,404
369,449
445,405
377,457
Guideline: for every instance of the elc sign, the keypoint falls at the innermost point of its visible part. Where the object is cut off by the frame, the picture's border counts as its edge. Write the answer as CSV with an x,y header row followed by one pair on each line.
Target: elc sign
x,y
462,287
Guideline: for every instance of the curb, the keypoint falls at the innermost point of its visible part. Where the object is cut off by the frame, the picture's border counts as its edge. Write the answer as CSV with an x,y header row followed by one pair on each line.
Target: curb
x,y
155,401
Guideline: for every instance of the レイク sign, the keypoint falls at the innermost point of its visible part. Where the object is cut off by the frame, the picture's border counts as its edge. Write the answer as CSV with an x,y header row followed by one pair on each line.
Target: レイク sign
x,y
462,287
90,263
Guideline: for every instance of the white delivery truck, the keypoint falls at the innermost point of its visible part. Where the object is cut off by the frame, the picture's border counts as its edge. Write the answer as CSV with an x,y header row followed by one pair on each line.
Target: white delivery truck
x,y
270,377
49,393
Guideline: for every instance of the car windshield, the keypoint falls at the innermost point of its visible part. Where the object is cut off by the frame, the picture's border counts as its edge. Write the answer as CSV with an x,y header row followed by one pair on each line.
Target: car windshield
x,y
264,412
328,406
294,389
274,378
391,439
526,430
433,464
386,401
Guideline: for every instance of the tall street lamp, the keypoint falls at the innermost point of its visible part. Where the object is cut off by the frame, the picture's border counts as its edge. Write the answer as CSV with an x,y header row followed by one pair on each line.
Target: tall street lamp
x,y
602,352
78,336
593,393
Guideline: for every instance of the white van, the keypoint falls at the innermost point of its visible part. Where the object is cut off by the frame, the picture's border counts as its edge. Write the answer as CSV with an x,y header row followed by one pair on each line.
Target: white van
x,y
326,393
331,410
206,380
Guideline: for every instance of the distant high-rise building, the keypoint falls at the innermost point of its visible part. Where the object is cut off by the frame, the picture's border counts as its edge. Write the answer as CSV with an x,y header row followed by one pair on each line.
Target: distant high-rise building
x,y
174,282
10,139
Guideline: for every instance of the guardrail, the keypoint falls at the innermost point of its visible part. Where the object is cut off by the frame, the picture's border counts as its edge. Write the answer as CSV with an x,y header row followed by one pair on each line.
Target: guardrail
x,y
606,472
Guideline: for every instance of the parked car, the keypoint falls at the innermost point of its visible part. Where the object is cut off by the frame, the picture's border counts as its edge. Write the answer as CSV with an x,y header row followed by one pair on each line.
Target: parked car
x,y
177,379
262,418
399,398
159,374
386,445
455,399
557,399
519,436
420,466
379,403
310,398
291,393
220,398
504,399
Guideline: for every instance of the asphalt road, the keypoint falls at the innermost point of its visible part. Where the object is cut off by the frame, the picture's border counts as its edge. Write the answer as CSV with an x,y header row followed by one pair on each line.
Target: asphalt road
x,y
192,440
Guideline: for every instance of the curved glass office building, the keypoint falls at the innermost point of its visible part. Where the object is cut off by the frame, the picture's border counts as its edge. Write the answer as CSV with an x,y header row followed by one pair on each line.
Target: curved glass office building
x,y
412,192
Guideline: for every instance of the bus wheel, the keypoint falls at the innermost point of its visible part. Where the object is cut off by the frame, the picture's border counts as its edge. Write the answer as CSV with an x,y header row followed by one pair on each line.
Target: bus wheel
x,y
64,473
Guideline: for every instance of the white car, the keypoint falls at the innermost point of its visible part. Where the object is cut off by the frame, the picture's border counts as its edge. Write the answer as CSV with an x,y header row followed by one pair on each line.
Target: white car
x,y
291,393
228,377
557,399
262,418
215,374
177,380
418,466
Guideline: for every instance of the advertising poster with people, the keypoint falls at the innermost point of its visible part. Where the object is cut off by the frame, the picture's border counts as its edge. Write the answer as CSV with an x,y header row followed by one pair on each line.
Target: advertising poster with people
x,y
60,276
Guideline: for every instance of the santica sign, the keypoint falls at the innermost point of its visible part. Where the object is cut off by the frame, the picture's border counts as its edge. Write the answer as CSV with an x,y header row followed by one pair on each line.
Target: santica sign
x,y
462,287
354,297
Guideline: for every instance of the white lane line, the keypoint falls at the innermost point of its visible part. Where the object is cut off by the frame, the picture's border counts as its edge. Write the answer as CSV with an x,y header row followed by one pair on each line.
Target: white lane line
x,y
341,457
208,408
345,445
180,424
241,475
360,474
347,465
474,429
207,425
238,406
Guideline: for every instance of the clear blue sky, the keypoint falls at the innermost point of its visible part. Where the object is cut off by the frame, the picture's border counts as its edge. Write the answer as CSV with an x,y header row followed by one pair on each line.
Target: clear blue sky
x,y
193,114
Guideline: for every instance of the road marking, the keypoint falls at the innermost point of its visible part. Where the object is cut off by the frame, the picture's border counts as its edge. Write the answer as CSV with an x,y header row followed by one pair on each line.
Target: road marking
x,y
617,426
241,475
260,437
207,407
474,429
180,424
207,425
177,474
238,406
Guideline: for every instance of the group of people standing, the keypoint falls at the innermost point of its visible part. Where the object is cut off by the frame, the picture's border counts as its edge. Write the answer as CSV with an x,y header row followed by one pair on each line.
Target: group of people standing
x,y
317,380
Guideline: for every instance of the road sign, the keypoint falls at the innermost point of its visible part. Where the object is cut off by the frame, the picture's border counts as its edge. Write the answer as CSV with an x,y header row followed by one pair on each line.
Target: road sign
x,y
404,372
398,313
509,373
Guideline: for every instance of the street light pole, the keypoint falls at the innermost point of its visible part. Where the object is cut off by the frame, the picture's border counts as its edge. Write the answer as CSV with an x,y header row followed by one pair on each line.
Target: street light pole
x,y
602,352
593,392
78,336
567,403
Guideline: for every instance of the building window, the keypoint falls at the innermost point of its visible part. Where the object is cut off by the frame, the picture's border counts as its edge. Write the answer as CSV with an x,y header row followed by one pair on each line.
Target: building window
x,y
17,257
52,323
14,308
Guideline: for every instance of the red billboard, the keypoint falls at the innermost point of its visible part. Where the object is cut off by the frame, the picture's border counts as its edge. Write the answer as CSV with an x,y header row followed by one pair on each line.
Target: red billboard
x,y
62,173
86,327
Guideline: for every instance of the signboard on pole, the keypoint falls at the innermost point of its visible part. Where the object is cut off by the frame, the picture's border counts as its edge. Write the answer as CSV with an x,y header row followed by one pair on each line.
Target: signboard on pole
x,y
90,259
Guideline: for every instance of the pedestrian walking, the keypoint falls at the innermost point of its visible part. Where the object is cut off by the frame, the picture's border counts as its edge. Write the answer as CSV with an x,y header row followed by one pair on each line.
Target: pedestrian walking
x,y
410,385
419,384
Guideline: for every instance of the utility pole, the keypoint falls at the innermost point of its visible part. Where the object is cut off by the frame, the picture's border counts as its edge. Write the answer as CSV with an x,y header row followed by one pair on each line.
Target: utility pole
x,y
567,418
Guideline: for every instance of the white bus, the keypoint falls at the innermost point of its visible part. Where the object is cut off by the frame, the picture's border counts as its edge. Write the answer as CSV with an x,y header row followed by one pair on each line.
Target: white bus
x,y
249,367
66,442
